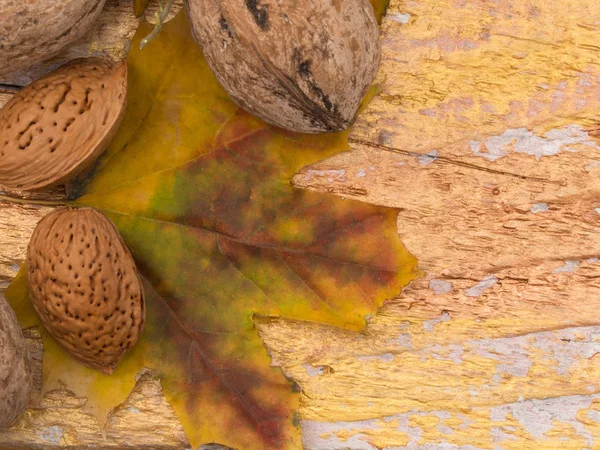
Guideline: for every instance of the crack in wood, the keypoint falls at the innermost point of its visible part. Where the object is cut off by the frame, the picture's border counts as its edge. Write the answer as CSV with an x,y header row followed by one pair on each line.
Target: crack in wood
x,y
453,162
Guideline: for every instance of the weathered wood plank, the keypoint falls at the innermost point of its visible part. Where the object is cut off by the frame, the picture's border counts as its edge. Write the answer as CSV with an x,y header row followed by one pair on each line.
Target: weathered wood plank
x,y
483,134
19,213
485,120
58,418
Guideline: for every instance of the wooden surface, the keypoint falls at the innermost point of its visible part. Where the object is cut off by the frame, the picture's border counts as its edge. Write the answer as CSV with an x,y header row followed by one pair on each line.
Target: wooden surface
x,y
58,417
486,135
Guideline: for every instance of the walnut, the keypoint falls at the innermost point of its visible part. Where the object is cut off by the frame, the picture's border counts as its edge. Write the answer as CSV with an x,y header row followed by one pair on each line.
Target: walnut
x,y
301,65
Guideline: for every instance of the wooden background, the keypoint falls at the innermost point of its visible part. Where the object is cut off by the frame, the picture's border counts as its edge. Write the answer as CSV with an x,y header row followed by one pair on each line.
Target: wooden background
x,y
486,135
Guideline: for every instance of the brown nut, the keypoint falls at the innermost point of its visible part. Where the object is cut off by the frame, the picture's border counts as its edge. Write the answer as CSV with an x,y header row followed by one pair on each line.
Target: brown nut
x,y
302,65
15,370
34,30
60,124
84,286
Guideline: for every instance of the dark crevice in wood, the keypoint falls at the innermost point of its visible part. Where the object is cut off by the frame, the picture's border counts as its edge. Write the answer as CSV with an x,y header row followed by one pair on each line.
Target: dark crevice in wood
x,y
451,161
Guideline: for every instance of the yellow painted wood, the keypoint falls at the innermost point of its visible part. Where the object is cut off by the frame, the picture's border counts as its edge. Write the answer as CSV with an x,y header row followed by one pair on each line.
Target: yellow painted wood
x,y
484,133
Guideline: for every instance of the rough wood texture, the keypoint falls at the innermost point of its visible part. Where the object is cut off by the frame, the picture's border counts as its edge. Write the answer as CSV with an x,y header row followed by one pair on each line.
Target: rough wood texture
x,y
58,419
17,222
485,133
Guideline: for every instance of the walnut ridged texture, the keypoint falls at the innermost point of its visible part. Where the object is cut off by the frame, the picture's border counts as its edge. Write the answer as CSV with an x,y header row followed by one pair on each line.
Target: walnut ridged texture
x,y
301,65
34,30
60,124
15,369
84,286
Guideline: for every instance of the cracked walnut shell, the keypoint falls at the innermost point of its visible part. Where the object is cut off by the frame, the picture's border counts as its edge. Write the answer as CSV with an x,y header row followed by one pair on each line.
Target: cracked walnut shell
x,y
84,286
301,65
59,125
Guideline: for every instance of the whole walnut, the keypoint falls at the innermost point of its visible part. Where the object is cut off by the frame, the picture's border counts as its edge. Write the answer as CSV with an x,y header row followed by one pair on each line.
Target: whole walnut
x,y
15,369
302,65
34,30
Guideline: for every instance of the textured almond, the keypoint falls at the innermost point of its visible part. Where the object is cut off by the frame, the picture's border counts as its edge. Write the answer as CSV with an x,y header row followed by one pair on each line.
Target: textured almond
x,y
84,286
303,65
58,125
15,370
34,30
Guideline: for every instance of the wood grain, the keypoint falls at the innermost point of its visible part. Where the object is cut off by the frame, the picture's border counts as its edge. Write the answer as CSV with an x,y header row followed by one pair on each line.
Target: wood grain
x,y
485,135
58,418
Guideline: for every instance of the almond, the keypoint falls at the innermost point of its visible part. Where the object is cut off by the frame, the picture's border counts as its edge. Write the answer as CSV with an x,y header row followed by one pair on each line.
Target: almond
x,y
84,286
60,124
15,370
34,30
302,65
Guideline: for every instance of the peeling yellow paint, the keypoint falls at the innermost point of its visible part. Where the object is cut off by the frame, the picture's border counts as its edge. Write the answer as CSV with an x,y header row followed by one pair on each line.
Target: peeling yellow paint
x,y
498,347
474,428
481,67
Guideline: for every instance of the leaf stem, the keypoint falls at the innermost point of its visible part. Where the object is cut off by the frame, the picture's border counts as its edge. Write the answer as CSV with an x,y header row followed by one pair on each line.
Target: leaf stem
x,y
161,16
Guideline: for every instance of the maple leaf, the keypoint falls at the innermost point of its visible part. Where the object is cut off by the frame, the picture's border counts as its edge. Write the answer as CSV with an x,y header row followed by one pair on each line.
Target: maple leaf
x,y
201,193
